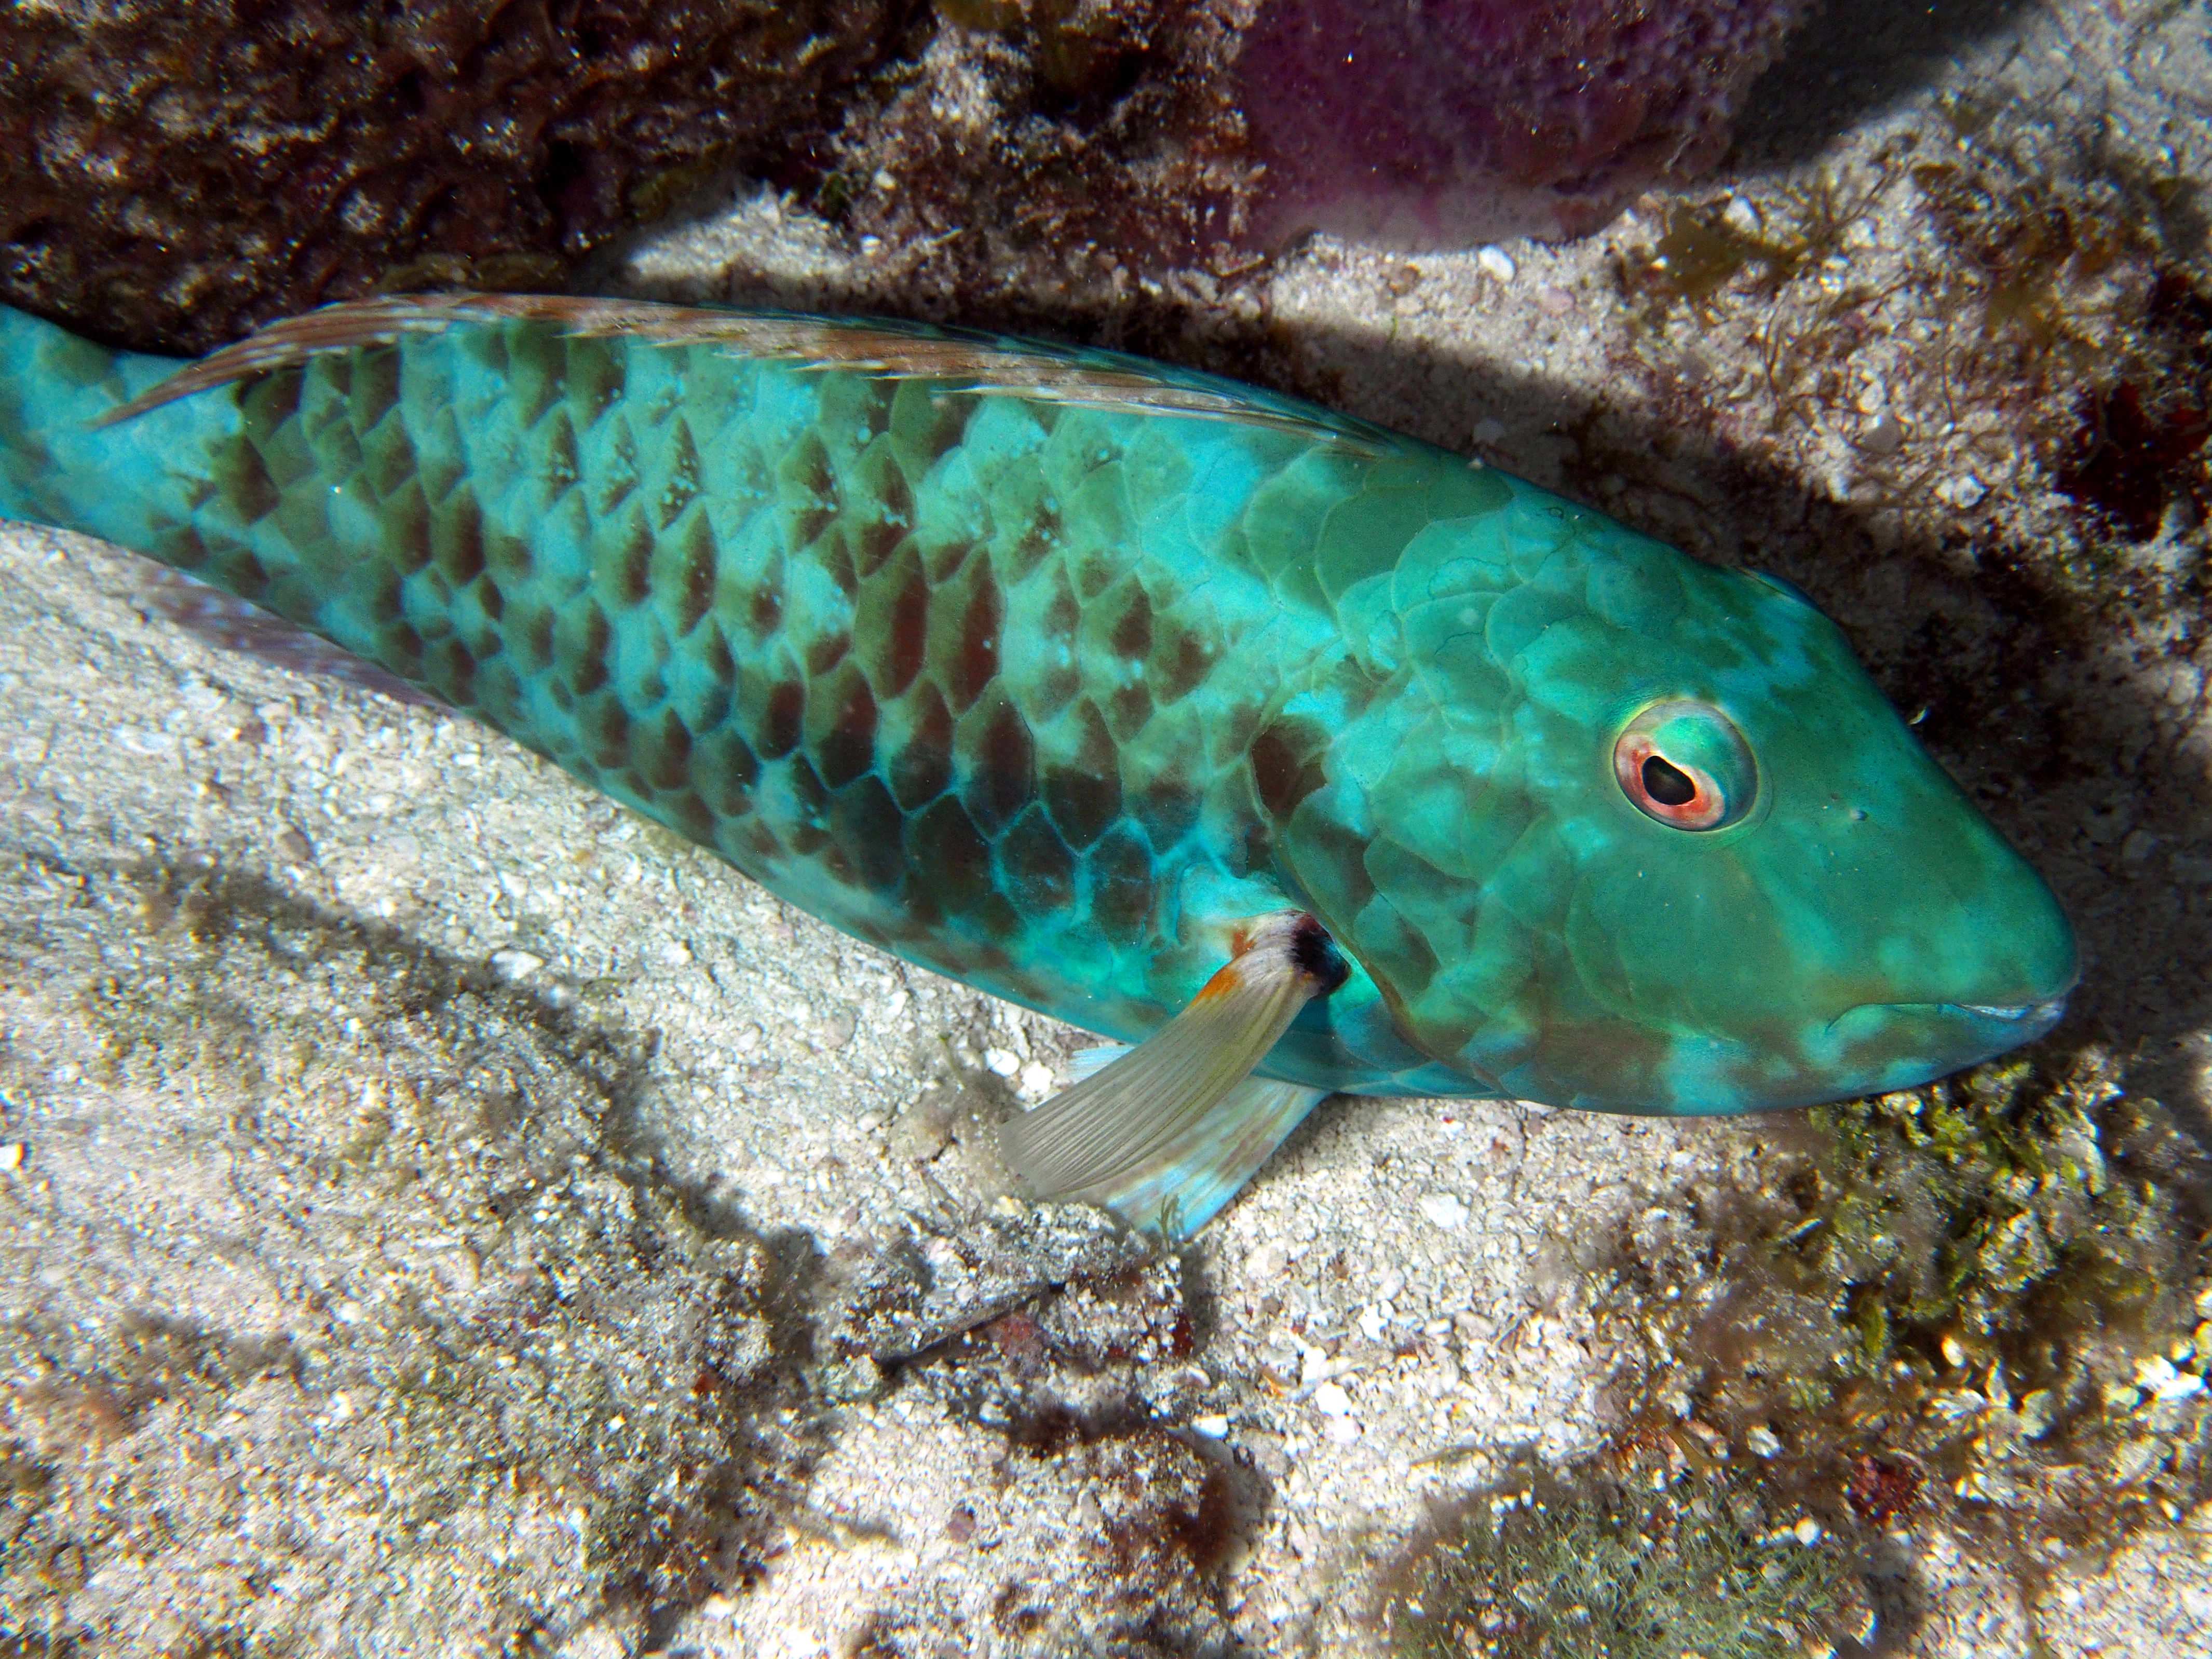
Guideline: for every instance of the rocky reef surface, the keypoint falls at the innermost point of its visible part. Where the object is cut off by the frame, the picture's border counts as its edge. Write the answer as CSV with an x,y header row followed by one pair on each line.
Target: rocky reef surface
x,y
445,1215
173,174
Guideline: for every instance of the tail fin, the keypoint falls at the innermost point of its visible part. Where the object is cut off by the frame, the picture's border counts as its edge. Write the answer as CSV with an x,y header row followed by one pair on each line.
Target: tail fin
x,y
57,469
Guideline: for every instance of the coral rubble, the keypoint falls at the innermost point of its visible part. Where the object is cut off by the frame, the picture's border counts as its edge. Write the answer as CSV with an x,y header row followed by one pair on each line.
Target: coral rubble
x,y
1036,162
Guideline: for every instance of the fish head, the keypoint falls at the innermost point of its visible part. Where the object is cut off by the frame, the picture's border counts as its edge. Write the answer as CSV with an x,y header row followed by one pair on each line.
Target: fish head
x,y
1691,859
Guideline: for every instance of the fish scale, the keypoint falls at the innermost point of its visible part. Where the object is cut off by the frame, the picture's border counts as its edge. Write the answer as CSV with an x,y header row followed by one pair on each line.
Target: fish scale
x,y
976,678
1078,677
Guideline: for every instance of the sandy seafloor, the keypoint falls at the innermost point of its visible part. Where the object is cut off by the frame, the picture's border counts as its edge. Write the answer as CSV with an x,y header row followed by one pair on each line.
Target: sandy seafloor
x,y
341,1041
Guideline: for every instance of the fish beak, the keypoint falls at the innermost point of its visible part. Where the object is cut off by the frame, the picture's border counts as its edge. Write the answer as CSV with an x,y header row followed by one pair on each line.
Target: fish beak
x,y
2031,1019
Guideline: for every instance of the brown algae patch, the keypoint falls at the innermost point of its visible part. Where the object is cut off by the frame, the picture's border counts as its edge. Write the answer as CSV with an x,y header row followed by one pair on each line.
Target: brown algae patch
x,y
1981,1309
1983,324
1984,1306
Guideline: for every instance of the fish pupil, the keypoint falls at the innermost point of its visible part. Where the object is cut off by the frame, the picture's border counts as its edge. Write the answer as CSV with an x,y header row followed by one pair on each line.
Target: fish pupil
x,y
1668,784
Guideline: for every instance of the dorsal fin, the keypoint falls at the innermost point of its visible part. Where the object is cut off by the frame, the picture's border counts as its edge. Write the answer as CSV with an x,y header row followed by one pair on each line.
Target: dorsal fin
x,y
896,350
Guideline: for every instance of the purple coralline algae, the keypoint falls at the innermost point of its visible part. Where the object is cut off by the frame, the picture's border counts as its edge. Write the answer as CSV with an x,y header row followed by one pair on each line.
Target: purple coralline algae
x,y
1439,123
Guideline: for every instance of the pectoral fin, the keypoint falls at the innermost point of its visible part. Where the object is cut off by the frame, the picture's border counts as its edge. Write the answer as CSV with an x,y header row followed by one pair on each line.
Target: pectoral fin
x,y
1166,1134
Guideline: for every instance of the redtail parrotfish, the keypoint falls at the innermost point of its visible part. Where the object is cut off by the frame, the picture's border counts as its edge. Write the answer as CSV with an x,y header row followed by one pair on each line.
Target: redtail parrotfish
x,y
1299,755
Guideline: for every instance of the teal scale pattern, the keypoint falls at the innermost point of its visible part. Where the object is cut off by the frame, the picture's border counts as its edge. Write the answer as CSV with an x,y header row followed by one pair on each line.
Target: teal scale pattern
x,y
975,677
1048,694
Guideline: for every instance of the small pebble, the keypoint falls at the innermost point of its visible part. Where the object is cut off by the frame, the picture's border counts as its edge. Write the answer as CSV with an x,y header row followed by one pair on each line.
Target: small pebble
x,y
1340,1431
1443,1210
2134,1459
1554,300
1213,1428
1806,1531
1963,492
1762,1440
12,1155
514,965
1884,435
1496,261
1002,1062
1331,1400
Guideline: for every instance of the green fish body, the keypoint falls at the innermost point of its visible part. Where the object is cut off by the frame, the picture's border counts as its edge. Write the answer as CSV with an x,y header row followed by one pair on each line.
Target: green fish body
x,y
1052,670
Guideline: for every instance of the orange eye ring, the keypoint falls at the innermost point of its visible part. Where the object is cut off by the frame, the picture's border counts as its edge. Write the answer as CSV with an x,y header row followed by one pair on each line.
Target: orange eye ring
x,y
1684,764
1676,791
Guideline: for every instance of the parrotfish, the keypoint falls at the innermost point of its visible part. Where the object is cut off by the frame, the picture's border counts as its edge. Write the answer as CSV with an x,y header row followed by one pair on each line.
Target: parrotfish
x,y
1301,755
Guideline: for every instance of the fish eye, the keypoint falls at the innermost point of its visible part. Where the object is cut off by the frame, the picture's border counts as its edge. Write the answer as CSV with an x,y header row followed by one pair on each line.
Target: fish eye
x,y
1684,764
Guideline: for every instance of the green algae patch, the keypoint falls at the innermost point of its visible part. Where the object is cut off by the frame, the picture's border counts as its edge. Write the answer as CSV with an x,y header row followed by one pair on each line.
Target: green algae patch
x,y
1979,1305
1592,1564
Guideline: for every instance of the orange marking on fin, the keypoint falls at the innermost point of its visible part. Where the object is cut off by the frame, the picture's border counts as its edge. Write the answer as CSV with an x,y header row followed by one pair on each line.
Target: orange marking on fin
x,y
1227,981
